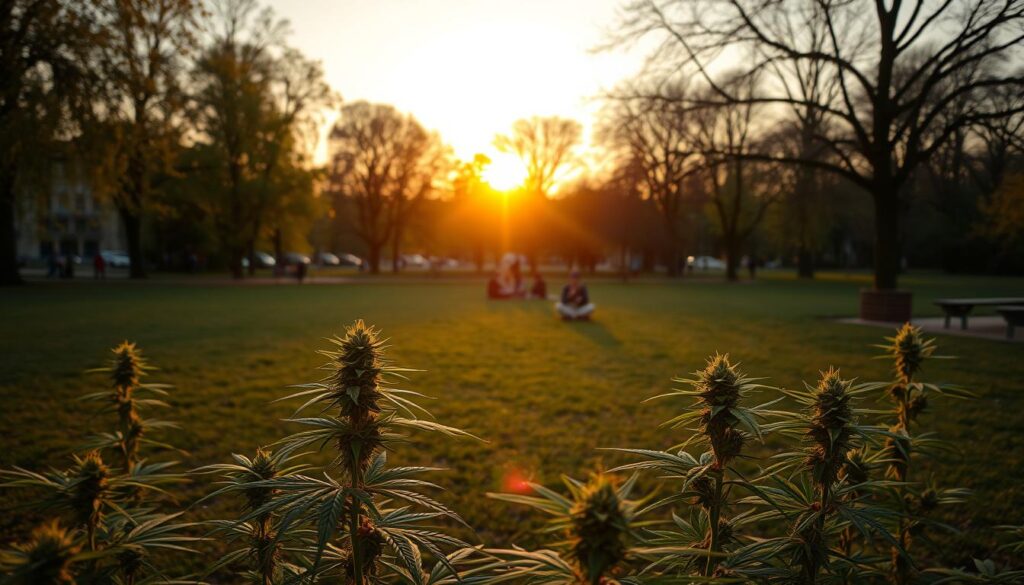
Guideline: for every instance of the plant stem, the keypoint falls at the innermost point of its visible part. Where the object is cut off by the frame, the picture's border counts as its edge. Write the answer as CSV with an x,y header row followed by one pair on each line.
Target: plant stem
x,y
354,521
714,514
266,556
900,575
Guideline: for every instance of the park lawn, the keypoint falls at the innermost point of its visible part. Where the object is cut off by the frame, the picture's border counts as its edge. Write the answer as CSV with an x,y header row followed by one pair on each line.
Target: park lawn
x,y
544,394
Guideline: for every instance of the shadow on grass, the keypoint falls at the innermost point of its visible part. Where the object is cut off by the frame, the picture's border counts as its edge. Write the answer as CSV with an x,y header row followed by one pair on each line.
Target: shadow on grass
x,y
595,331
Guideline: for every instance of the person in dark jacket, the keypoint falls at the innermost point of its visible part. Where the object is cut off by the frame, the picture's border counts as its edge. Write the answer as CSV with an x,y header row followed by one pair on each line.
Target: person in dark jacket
x,y
575,302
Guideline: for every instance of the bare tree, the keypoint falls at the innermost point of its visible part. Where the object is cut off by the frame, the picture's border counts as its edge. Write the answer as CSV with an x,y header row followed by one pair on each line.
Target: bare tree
x,y
547,147
653,131
900,66
385,161
726,135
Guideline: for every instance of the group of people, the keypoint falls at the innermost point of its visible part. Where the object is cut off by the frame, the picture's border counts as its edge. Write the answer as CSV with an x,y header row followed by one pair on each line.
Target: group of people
x,y
508,283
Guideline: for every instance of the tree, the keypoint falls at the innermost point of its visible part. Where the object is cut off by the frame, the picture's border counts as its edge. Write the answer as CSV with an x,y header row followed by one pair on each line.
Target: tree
x,y
654,131
725,135
1004,215
43,81
472,214
547,147
384,161
910,75
257,101
138,111
297,94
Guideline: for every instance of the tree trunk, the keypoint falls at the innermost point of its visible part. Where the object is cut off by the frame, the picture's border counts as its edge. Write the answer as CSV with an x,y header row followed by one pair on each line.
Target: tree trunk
x,y
251,253
373,257
673,259
237,271
887,238
732,257
804,262
278,245
133,234
396,248
478,258
624,262
9,274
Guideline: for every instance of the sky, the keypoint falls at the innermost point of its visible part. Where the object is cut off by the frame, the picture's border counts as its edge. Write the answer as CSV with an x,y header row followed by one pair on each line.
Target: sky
x,y
466,68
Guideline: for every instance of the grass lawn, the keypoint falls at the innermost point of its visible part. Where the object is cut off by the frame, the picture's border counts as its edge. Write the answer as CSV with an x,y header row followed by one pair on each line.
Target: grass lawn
x,y
545,394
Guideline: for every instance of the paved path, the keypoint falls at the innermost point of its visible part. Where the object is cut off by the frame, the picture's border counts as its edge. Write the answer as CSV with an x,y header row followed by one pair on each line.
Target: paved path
x,y
981,327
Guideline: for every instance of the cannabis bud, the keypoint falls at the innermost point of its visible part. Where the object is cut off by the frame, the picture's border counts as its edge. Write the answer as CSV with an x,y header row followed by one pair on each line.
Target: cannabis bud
x,y
830,429
598,528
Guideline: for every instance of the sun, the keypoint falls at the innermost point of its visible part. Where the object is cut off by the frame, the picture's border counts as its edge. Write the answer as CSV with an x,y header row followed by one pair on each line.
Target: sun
x,y
505,172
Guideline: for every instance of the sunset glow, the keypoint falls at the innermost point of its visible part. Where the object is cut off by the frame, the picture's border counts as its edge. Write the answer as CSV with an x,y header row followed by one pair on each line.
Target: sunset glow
x,y
466,70
505,172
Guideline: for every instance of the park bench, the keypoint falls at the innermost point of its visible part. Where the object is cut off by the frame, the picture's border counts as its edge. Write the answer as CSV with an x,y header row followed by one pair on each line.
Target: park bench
x,y
1014,315
961,307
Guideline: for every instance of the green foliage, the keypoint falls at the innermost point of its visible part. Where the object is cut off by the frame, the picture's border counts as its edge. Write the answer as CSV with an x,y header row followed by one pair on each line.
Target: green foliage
x,y
773,526
126,398
909,350
597,522
349,522
115,532
725,424
47,558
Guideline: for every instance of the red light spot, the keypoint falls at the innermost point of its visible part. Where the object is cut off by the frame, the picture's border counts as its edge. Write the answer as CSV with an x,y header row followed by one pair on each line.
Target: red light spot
x,y
515,482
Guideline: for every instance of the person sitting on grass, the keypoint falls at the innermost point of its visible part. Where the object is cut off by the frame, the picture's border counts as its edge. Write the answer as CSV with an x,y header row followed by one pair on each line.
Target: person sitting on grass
x,y
539,290
575,303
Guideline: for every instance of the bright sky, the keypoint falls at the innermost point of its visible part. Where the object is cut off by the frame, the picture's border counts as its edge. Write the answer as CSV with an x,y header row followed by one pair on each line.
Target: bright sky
x,y
466,68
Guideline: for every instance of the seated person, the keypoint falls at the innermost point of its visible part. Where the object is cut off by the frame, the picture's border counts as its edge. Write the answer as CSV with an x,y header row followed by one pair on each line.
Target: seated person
x,y
503,286
575,303
539,290
494,288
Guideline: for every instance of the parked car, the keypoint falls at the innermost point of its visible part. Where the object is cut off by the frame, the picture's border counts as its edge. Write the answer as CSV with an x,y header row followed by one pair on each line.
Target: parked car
x,y
350,260
705,263
441,262
327,259
414,261
263,260
116,258
295,258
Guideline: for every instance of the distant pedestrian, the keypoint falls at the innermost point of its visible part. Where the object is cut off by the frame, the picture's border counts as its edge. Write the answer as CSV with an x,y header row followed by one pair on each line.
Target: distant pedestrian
x,y
99,267
300,272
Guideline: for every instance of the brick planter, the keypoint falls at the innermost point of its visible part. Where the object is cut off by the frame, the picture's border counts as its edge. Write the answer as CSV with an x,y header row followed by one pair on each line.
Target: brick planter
x,y
885,305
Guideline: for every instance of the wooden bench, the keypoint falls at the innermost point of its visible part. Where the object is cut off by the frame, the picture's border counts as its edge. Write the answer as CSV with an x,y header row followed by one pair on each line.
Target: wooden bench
x,y
962,307
1014,315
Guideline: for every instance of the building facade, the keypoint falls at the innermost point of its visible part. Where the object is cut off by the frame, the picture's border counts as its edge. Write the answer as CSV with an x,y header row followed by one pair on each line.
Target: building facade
x,y
64,217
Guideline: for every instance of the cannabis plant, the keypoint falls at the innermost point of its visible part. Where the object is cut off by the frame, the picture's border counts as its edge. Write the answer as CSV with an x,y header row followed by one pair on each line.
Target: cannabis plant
x,y
820,490
719,419
262,551
49,557
110,512
909,350
127,396
597,523
350,518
